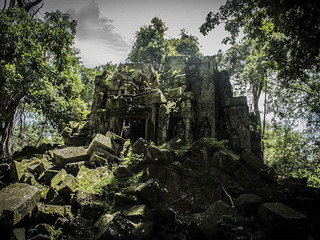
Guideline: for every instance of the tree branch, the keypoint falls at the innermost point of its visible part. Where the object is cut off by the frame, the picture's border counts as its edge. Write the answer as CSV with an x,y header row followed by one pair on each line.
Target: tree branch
x,y
12,3
37,10
5,5
29,5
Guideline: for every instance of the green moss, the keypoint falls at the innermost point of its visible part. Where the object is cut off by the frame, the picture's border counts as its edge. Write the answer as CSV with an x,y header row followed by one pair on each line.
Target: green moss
x,y
94,181
218,145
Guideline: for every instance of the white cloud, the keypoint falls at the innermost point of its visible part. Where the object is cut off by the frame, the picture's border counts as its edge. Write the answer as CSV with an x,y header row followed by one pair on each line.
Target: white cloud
x,y
96,36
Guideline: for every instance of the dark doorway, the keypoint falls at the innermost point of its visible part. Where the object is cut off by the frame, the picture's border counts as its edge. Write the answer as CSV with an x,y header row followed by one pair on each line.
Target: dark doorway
x,y
134,129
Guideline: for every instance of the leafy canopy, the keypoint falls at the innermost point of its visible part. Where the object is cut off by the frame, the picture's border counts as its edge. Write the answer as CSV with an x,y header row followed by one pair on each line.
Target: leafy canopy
x,y
151,46
285,36
39,64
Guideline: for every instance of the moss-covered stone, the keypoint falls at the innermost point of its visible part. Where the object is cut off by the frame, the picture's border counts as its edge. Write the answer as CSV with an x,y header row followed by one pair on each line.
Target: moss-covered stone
x,y
47,176
101,141
70,154
16,171
58,178
50,213
18,234
16,201
74,168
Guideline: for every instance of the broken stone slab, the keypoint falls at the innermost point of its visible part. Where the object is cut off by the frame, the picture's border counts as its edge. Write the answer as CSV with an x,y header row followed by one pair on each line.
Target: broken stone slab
x,y
248,203
68,186
176,143
18,234
150,192
225,160
257,165
81,198
58,178
101,141
47,213
54,198
160,156
139,212
92,211
42,231
47,176
121,199
78,227
140,147
74,168
101,157
16,201
281,220
29,179
207,220
68,155
119,144
116,137
272,211
16,171
120,227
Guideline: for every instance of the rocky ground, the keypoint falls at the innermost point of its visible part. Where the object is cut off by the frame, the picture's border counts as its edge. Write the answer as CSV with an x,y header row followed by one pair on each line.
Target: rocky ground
x,y
116,190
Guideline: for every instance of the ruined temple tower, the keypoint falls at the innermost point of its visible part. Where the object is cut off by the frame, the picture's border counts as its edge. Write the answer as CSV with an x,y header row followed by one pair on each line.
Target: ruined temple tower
x,y
189,100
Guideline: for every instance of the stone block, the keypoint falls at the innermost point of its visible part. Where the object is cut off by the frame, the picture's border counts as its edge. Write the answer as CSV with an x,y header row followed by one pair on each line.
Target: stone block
x,y
74,168
70,154
248,203
101,141
225,160
140,147
16,201
18,234
50,213
139,212
29,179
160,156
16,171
207,220
269,212
58,178
47,176
121,199
101,157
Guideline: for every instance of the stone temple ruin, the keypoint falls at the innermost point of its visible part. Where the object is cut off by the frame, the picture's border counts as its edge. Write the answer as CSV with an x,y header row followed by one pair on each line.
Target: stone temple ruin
x,y
190,100
186,185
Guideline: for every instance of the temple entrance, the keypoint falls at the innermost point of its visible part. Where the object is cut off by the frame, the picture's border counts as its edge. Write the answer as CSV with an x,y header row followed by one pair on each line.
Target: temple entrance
x,y
134,129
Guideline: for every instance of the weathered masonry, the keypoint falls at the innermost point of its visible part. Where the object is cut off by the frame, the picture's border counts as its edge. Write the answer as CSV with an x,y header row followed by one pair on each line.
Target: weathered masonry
x,y
189,100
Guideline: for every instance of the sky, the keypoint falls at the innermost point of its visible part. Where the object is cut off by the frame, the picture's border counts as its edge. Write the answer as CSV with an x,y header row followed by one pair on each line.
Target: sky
x,y
106,28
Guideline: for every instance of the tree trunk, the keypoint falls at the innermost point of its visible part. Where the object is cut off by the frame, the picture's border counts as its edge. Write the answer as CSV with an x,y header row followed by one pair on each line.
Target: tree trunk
x,y
6,133
6,127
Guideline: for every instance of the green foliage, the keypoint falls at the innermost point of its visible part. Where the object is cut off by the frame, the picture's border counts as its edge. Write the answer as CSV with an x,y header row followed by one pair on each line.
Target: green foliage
x,y
151,46
291,153
185,45
39,64
281,36
31,128
216,144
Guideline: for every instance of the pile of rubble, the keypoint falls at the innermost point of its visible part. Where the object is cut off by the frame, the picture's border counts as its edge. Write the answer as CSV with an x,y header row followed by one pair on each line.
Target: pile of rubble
x,y
114,190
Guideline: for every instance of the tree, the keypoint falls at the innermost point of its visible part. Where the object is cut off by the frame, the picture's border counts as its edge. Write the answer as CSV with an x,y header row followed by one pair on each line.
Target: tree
x,y
39,66
150,45
291,153
187,44
287,32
